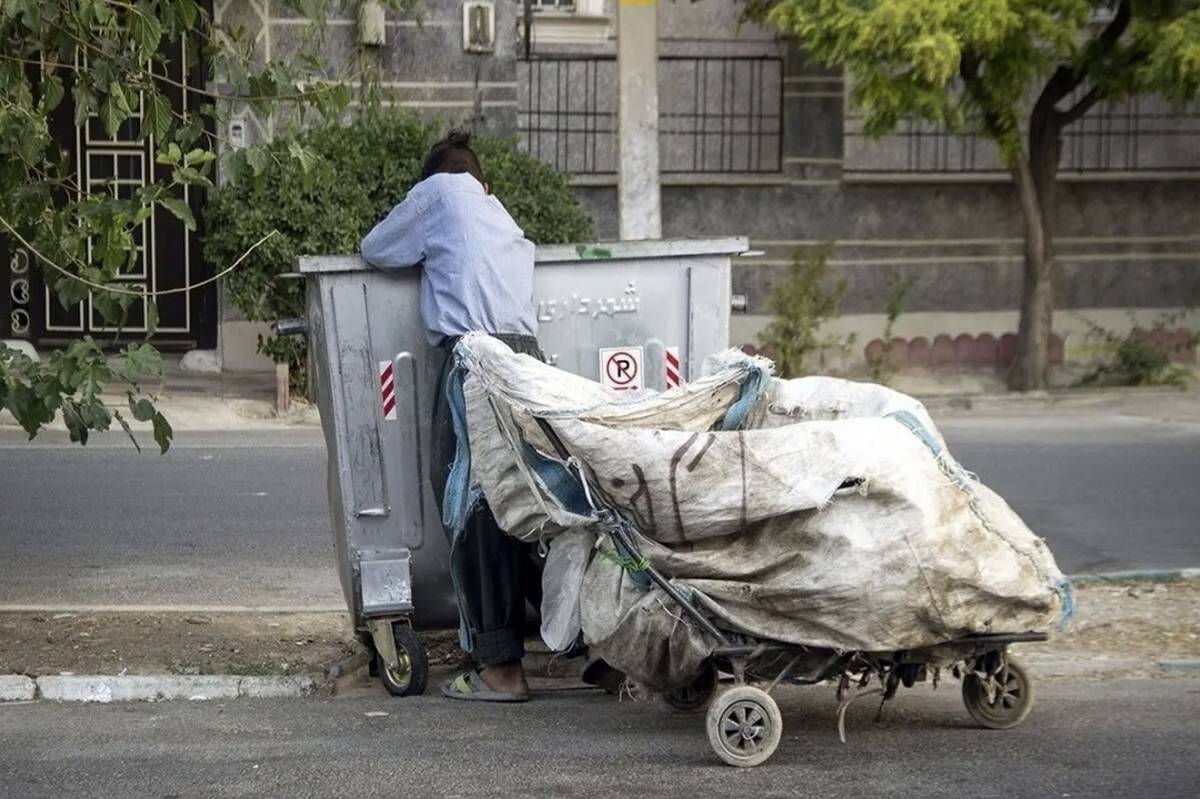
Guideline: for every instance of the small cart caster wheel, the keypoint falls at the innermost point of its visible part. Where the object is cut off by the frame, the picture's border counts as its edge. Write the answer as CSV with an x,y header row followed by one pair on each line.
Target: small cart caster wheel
x,y
412,673
744,726
696,695
1009,705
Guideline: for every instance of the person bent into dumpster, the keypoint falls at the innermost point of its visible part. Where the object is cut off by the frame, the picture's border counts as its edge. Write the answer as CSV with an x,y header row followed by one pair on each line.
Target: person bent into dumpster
x,y
477,276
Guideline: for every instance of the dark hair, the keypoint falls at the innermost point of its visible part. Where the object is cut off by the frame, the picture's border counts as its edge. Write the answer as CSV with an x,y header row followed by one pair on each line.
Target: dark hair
x,y
453,154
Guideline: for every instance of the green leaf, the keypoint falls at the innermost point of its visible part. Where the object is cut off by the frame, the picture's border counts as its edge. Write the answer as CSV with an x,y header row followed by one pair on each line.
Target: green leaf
x,y
189,132
163,434
52,93
102,13
141,361
76,425
109,305
112,115
258,158
158,117
84,101
145,29
198,156
305,156
170,155
180,209
187,11
233,165
191,177
142,409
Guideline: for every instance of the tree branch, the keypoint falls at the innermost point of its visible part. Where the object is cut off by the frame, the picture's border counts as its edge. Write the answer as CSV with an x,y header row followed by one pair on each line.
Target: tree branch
x,y
968,70
1116,27
1064,81
1080,108
1067,79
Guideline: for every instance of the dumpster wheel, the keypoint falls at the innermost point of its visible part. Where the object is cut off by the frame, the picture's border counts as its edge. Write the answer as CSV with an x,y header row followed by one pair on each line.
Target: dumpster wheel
x,y
411,675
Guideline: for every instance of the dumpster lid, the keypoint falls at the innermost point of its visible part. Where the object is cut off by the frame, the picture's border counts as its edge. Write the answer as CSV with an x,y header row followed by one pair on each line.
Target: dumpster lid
x,y
565,253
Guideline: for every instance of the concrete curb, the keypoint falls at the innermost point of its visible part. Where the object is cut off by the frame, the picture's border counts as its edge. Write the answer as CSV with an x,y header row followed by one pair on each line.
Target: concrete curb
x,y
17,688
1188,667
1136,576
1054,397
152,688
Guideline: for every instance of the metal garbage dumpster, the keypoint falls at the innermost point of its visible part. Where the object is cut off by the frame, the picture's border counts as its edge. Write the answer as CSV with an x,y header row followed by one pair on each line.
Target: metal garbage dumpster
x,y
635,315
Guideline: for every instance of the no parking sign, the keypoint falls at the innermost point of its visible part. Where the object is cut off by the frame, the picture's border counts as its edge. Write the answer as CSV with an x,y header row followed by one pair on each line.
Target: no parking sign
x,y
621,368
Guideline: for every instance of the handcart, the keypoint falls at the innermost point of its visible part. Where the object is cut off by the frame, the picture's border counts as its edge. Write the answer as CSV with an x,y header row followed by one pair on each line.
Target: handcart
x,y
654,309
743,722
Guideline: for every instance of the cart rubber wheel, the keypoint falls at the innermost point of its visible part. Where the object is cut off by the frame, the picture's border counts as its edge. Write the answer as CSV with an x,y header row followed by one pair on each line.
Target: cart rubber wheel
x,y
412,675
1010,705
695,696
744,726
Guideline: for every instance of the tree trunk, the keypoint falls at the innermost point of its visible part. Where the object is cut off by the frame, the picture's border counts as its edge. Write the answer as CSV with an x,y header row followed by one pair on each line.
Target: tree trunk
x,y
1035,177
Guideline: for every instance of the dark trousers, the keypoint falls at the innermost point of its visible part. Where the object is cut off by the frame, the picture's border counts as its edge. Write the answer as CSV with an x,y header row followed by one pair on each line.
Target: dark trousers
x,y
494,572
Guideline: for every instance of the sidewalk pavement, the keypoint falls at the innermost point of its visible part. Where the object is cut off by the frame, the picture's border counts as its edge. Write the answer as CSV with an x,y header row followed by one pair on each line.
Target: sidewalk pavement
x,y
1134,629
223,401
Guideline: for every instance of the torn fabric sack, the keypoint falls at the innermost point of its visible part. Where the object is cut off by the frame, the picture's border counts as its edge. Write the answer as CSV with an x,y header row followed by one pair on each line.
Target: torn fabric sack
x,y
815,511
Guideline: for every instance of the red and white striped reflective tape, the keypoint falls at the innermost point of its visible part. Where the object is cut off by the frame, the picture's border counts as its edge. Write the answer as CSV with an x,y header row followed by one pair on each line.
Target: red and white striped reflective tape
x,y
387,389
672,368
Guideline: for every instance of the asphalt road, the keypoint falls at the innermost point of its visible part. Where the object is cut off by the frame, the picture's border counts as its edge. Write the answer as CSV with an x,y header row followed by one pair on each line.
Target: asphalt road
x,y
1089,739
241,519
1106,492
222,519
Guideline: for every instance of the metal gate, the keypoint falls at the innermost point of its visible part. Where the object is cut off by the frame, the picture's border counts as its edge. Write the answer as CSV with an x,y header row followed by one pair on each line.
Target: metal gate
x,y
168,254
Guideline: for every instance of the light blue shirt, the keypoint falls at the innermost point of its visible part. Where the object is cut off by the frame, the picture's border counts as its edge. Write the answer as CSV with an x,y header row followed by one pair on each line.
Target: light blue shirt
x,y
478,273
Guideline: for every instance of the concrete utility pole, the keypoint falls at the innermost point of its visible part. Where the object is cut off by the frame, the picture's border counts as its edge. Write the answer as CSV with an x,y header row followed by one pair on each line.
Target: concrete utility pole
x,y
639,196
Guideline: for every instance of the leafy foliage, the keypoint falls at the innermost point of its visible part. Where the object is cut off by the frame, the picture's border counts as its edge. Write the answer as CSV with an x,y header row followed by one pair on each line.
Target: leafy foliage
x,y
357,174
72,382
111,58
802,302
1017,72
881,366
1133,359
975,62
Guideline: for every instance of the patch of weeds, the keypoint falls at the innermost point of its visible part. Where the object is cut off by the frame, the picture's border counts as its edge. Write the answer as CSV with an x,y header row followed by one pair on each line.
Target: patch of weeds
x,y
1133,359
881,366
802,301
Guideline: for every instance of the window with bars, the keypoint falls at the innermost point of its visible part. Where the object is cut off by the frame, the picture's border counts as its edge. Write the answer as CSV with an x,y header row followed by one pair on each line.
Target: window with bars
x,y
1141,134
716,114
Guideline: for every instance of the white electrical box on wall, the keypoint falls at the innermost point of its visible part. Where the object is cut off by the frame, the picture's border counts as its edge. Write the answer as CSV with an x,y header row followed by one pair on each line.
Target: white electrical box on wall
x,y
236,134
479,26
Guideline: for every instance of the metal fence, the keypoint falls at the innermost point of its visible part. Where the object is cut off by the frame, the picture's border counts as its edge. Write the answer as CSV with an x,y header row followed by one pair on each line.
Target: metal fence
x,y
1141,134
716,114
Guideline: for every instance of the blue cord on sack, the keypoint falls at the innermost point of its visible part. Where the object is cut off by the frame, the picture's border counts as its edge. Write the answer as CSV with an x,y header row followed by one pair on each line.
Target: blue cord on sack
x,y
751,388
1066,593
914,426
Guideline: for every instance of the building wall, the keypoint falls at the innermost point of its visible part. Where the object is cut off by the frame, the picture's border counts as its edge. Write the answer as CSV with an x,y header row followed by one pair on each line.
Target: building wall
x,y
936,213
912,208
